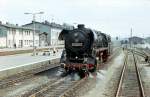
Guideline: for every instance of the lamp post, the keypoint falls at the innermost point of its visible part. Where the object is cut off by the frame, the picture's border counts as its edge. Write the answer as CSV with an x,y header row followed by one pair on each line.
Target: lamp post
x,y
75,24
34,14
50,36
131,38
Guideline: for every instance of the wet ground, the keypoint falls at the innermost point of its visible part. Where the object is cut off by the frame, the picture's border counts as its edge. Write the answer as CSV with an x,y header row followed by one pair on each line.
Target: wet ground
x,y
105,78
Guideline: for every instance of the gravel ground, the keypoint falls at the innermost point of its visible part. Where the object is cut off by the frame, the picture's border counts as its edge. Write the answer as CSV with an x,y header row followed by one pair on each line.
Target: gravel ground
x,y
130,85
145,75
28,85
106,79
99,86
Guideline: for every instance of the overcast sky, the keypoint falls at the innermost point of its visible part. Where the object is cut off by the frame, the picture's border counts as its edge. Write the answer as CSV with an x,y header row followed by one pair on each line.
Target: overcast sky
x,y
114,17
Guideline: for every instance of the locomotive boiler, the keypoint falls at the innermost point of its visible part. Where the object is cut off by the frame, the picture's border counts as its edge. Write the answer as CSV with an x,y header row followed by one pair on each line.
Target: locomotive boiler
x,y
83,48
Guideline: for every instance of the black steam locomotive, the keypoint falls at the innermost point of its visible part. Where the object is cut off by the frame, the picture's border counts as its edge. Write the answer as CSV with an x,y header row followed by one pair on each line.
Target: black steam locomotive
x,y
83,48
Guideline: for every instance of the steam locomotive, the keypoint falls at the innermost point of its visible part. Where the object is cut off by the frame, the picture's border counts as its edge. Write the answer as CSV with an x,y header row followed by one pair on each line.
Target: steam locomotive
x,y
83,49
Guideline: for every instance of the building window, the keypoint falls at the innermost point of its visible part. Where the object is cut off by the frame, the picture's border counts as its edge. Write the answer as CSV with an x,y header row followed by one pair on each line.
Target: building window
x,y
25,42
26,32
20,33
13,31
20,43
28,42
36,42
9,32
0,32
9,42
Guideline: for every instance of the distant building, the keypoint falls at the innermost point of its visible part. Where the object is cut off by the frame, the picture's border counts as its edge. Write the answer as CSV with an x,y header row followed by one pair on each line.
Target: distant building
x,y
49,32
14,36
147,40
136,40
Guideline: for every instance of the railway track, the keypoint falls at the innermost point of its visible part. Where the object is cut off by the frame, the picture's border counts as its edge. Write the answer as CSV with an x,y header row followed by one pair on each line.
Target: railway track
x,y
130,84
44,84
11,80
56,89
138,52
33,83
37,86
63,88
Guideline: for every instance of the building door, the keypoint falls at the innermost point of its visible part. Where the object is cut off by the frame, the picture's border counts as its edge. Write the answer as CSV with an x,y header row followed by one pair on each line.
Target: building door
x,y
21,43
43,39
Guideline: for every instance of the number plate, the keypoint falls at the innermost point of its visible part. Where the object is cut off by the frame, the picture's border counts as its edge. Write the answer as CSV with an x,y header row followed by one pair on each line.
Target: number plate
x,y
77,44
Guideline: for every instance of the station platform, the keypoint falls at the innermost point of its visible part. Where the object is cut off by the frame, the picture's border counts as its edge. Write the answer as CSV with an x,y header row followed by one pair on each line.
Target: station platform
x,y
14,64
28,48
13,51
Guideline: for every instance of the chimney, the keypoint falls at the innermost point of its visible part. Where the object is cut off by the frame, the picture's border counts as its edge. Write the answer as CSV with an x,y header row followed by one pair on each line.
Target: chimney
x,y
7,23
0,22
16,24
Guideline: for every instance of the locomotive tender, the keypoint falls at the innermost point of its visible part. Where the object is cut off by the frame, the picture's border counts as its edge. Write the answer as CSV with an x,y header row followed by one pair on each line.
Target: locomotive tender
x,y
83,49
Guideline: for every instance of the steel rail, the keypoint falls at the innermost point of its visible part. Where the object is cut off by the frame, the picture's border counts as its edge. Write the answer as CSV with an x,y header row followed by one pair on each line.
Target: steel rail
x,y
139,77
141,89
122,76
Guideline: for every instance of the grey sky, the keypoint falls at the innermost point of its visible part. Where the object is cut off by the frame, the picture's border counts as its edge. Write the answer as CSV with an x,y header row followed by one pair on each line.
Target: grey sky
x,y
114,17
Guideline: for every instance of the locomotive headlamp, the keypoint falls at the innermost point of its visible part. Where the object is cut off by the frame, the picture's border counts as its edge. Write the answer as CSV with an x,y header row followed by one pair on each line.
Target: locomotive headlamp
x,y
97,58
76,57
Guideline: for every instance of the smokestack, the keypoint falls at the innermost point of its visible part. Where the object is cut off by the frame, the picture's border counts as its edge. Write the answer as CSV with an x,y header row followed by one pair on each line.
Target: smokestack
x,y
80,26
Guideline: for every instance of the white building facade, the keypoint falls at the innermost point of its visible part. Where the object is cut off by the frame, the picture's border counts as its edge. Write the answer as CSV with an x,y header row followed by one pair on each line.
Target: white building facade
x,y
13,36
49,32
54,36
2,42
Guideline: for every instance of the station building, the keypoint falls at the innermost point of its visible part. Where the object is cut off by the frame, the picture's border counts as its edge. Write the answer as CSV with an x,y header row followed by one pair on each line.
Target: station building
x,y
14,36
46,34
49,32
136,40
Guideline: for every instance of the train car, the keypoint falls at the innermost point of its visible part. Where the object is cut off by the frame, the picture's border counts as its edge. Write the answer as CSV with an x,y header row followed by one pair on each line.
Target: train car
x,y
83,48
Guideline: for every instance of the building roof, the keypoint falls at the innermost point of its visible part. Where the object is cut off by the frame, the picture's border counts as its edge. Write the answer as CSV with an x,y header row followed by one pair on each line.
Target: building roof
x,y
52,24
16,27
135,37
